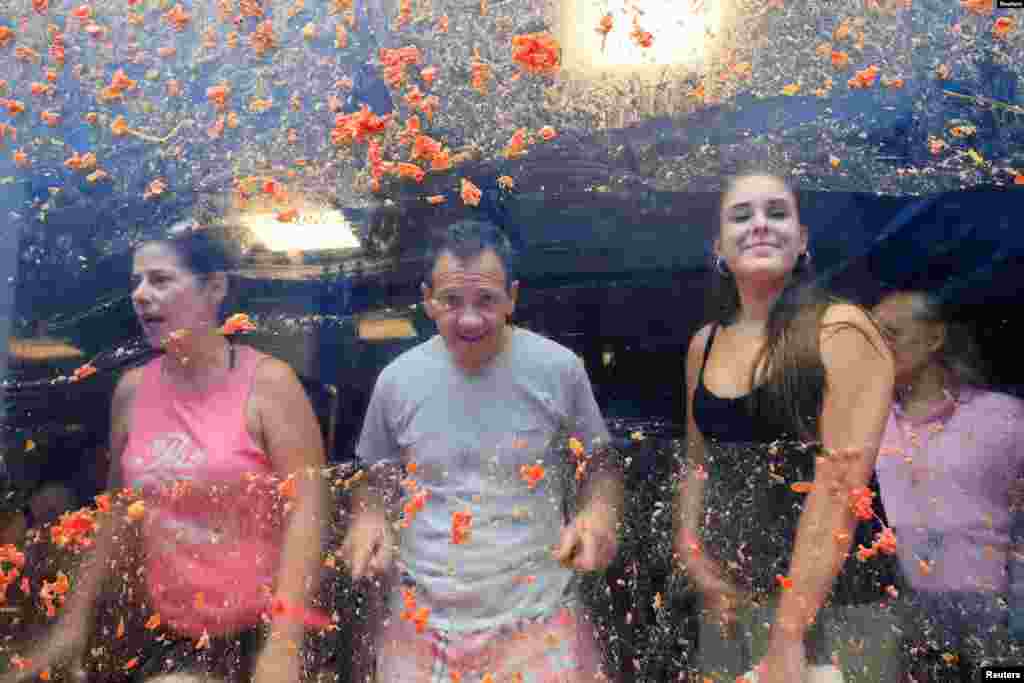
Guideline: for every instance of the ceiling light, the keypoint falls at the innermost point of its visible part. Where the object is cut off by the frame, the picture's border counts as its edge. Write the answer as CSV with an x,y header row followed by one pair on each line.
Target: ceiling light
x,y
316,227
679,29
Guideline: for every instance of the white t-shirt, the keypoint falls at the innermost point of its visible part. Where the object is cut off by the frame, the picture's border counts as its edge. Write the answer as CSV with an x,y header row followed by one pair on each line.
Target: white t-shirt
x,y
469,436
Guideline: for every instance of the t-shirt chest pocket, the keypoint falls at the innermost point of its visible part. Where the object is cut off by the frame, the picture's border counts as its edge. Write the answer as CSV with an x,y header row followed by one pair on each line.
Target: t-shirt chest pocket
x,y
521,453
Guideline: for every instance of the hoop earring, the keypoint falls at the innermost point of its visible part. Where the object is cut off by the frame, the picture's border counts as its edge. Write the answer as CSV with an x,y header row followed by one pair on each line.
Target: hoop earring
x,y
721,267
804,260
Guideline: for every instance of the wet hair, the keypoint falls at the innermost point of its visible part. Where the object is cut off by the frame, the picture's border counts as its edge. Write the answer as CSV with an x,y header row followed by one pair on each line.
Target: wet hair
x,y
793,389
202,250
960,354
467,240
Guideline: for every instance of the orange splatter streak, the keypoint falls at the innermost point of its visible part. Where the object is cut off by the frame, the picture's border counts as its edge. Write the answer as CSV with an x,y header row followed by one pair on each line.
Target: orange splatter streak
x,y
288,215
1003,27
136,511
13,107
83,371
239,322
480,73
25,54
604,27
979,7
516,145
218,95
177,17
263,39
864,78
462,521
470,193
537,53
532,474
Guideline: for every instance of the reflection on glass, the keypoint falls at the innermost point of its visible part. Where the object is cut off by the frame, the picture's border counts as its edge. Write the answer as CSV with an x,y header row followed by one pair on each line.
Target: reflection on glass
x,y
950,481
331,142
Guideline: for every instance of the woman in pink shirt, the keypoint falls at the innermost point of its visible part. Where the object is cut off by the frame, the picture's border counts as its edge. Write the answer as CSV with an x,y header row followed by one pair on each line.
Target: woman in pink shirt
x,y
950,457
209,434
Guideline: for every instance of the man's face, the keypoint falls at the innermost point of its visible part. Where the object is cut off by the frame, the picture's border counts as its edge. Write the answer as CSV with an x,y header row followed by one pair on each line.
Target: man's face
x,y
915,344
471,304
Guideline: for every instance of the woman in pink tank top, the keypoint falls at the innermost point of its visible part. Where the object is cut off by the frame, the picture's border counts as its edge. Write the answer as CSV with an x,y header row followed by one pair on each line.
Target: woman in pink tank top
x,y
208,435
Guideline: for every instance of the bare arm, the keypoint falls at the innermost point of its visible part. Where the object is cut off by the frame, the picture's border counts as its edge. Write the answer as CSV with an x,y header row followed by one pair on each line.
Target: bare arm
x,y
689,499
858,397
293,441
719,595
603,487
374,502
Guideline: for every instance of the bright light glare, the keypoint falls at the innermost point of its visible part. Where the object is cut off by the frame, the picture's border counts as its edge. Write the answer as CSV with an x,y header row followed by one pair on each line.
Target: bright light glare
x,y
316,228
677,26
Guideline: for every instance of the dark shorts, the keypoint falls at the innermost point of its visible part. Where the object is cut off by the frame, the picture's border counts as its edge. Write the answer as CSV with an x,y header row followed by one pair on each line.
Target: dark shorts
x,y
229,658
142,655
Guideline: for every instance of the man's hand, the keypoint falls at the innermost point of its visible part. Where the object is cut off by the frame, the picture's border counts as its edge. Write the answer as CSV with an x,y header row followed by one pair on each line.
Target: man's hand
x,y
591,541
369,546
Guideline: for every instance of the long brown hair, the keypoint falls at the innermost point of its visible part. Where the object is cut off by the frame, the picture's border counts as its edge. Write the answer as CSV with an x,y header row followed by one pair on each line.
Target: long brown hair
x,y
793,389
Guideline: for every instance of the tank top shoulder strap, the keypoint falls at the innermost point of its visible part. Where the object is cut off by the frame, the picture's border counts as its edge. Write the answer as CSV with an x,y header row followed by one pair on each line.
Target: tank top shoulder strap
x,y
707,352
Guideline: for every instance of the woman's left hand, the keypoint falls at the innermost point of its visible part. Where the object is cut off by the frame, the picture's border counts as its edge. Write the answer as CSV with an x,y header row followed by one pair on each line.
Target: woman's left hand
x,y
279,662
785,662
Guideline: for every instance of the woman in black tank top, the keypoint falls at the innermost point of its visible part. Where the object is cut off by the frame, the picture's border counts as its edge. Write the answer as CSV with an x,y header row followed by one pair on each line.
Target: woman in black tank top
x,y
765,521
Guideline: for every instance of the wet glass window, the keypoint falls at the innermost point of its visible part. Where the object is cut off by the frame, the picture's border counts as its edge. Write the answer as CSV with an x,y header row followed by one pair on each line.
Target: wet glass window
x,y
505,340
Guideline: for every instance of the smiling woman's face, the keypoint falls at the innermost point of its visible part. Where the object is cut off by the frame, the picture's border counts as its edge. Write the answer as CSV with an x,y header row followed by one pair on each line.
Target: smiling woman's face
x,y
760,235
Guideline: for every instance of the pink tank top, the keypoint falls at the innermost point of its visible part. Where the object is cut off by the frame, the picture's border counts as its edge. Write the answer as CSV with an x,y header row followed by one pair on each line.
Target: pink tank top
x,y
213,524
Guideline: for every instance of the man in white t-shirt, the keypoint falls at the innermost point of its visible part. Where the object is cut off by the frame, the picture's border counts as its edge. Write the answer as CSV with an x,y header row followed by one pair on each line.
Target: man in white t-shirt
x,y
484,428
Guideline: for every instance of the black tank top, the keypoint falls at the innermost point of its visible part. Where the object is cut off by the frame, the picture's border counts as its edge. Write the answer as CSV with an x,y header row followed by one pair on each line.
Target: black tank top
x,y
731,420
751,511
